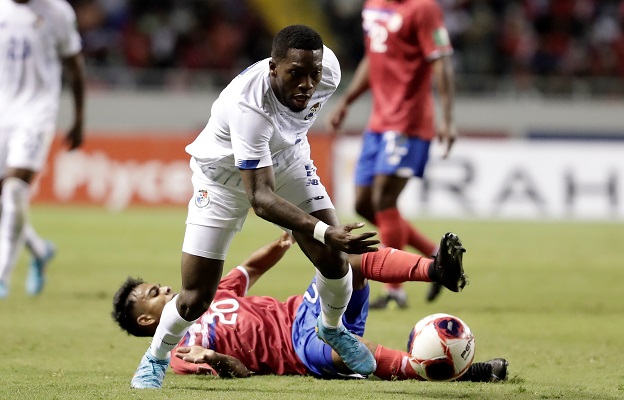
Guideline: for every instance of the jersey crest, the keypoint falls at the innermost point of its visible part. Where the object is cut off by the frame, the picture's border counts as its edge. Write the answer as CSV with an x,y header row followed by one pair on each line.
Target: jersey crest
x,y
313,110
202,199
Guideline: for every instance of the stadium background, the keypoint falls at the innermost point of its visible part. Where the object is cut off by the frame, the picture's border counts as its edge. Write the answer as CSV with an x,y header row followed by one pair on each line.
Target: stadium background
x,y
539,97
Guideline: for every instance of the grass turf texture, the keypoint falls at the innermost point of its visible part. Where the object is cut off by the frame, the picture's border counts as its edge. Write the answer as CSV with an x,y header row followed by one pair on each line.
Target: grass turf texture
x,y
546,296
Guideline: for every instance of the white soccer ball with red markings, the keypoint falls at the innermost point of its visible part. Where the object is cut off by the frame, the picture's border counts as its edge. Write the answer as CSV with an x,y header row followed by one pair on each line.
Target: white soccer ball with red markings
x,y
441,347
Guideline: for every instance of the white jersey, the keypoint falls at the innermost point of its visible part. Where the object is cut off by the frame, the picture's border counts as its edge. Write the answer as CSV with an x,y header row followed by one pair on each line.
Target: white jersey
x,y
249,127
34,36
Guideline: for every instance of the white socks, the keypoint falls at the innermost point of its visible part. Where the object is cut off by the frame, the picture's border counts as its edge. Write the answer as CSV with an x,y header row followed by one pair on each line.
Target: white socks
x,y
335,295
15,198
170,330
36,244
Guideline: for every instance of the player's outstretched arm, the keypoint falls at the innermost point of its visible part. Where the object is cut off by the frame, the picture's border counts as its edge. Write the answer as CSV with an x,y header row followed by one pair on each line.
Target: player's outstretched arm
x,y
265,258
226,366
259,186
359,85
444,79
75,67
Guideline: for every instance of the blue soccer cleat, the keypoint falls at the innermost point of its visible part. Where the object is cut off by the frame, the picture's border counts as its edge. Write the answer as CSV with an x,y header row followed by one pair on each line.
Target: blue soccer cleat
x,y
4,290
354,353
150,373
36,273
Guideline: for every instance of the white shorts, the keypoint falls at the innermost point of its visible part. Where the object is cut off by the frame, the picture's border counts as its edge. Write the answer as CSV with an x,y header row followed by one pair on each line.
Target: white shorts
x,y
25,146
220,201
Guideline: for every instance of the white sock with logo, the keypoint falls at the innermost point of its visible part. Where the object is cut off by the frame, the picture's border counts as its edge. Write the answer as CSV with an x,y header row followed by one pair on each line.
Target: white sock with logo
x,y
334,296
170,330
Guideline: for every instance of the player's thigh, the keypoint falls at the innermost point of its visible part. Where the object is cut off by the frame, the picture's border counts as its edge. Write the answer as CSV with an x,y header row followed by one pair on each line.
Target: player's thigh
x,y
401,155
5,133
203,254
28,146
217,205
365,166
300,185
207,241
313,352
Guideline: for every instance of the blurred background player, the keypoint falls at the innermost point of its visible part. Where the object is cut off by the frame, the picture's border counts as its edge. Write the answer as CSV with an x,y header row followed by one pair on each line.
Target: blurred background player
x,y
36,36
406,44
254,153
226,339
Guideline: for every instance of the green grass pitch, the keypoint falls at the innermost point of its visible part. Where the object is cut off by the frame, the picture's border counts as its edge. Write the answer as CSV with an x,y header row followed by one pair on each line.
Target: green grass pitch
x,y
547,296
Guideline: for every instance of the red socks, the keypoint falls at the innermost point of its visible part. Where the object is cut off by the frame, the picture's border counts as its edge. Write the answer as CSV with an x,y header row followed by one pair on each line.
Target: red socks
x,y
393,365
395,266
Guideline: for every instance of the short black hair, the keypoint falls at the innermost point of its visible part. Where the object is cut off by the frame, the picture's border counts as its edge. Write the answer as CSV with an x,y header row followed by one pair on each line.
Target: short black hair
x,y
123,307
299,37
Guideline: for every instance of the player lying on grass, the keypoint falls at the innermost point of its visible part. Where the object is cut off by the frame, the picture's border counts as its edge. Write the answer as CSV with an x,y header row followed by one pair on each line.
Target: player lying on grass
x,y
242,335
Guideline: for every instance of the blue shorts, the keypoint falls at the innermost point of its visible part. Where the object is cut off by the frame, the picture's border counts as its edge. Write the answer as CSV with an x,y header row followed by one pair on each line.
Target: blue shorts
x,y
390,153
313,352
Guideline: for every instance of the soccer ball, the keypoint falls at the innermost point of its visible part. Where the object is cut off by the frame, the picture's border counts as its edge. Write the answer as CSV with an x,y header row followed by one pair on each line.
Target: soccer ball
x,y
441,347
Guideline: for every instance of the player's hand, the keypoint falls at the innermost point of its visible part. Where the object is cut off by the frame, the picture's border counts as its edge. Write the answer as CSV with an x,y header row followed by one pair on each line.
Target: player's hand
x,y
195,354
74,136
336,118
286,240
447,134
341,238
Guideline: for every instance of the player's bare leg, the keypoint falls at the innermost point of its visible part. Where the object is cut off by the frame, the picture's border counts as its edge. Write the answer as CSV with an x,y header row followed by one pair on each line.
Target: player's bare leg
x,y
200,277
334,284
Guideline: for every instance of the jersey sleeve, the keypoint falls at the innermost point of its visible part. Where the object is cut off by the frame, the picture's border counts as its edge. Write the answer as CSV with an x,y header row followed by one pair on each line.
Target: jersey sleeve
x,y
331,67
431,32
70,42
237,281
250,131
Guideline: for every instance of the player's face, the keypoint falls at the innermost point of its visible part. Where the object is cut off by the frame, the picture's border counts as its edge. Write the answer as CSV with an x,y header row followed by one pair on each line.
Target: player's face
x,y
150,299
295,78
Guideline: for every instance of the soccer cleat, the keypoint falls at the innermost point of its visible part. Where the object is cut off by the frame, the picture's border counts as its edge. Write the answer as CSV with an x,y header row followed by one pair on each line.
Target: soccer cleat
x,y
447,267
354,353
150,373
4,290
494,370
36,273
399,296
434,291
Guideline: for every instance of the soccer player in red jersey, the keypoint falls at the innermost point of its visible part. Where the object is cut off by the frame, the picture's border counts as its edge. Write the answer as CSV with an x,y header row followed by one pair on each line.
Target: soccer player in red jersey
x,y
242,335
407,45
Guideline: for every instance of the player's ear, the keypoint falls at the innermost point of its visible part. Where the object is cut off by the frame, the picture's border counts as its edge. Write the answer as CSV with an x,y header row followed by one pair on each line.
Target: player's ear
x,y
273,68
146,320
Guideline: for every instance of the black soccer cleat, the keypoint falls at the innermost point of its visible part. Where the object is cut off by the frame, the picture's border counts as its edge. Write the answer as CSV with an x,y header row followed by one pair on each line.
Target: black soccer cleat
x,y
499,369
447,267
494,370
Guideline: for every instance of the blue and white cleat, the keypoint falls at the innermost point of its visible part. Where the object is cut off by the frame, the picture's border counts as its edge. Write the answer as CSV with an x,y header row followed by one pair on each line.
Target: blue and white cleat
x,y
354,353
150,373
4,290
36,273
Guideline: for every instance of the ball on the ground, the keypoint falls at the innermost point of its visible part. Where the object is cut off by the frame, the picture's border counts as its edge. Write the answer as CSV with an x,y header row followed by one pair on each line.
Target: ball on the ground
x,y
441,347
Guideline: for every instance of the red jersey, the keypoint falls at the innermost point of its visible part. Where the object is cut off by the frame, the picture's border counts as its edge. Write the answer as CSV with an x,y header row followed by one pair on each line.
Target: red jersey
x,y
402,37
254,329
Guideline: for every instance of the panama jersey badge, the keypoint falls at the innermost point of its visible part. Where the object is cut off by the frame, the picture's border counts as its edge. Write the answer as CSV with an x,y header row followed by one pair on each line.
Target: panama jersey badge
x,y
201,199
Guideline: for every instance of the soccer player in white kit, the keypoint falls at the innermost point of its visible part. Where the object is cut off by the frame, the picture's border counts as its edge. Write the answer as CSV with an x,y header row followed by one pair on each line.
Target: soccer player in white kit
x,y
254,153
36,36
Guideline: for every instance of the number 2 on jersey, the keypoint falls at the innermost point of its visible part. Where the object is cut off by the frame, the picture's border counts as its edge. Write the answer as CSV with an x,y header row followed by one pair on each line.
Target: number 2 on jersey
x,y
223,311
19,49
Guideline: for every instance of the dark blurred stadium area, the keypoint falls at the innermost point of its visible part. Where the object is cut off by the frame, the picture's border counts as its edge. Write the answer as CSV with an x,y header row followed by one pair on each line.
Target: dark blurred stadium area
x,y
545,47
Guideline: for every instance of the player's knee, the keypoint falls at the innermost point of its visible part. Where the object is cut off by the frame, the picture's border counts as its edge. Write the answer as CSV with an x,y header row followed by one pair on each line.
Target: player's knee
x,y
193,303
15,194
332,265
